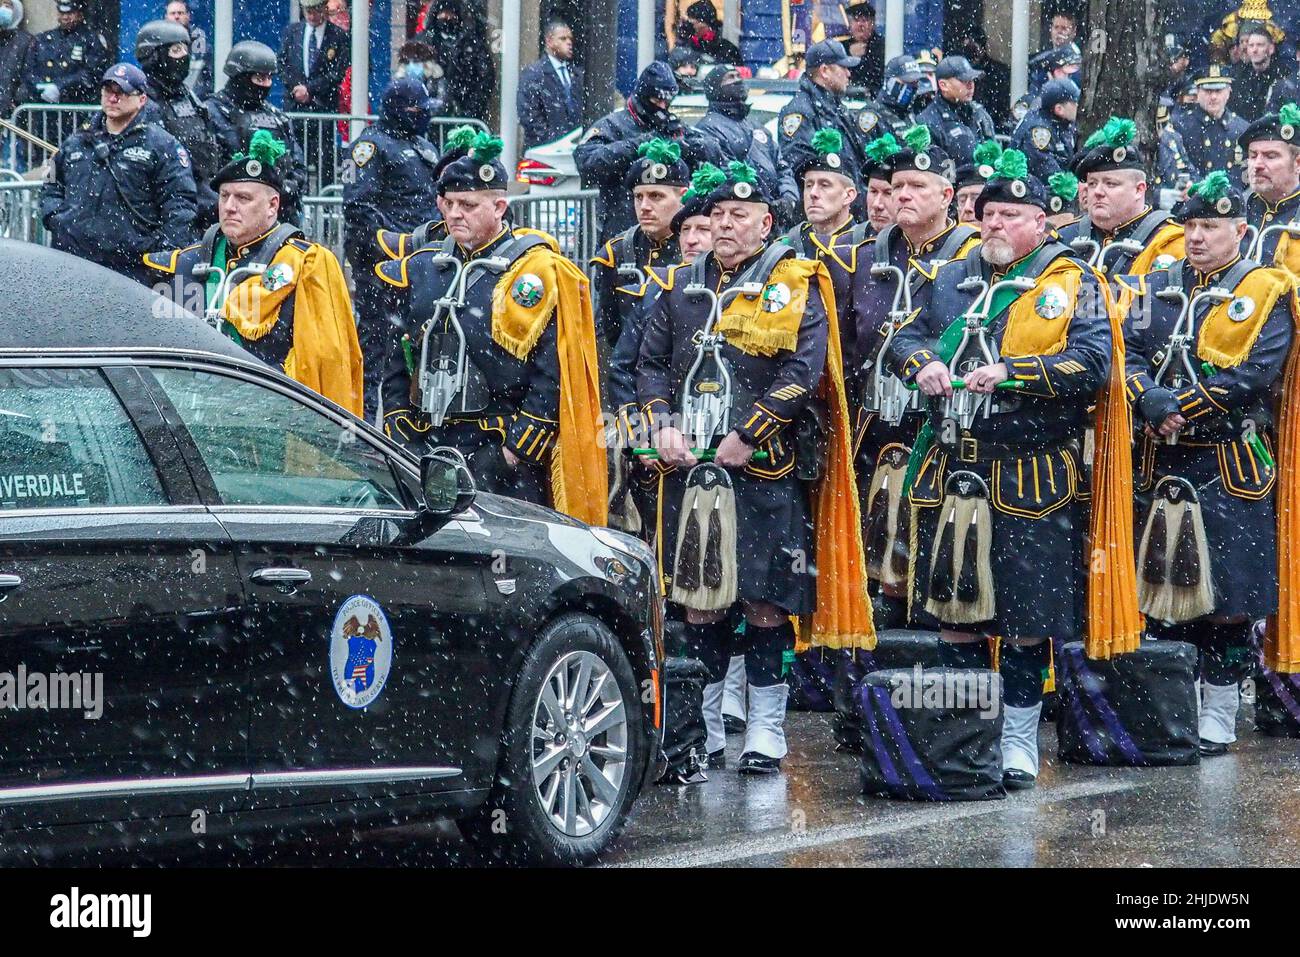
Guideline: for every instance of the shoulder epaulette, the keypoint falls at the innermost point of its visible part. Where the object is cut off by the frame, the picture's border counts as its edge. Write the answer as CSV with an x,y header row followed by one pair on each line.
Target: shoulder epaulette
x,y
166,261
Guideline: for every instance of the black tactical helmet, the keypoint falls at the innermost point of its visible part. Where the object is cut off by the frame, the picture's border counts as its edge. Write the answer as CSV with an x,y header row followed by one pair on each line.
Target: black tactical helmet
x,y
158,35
249,56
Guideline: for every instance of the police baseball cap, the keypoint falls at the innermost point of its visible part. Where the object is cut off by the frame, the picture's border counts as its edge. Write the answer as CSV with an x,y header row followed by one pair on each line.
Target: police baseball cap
x,y
957,68
903,68
127,77
860,11
72,6
829,51
1056,92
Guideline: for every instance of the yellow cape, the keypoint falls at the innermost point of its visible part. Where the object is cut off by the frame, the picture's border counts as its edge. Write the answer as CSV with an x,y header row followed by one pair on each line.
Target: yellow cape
x,y
579,480
1114,625
325,355
1282,637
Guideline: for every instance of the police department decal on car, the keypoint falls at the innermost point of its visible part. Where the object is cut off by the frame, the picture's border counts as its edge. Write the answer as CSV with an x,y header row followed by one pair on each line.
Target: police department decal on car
x,y
361,651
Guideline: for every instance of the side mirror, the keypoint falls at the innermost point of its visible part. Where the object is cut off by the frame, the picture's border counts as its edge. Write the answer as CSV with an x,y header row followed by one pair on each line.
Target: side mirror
x,y
445,483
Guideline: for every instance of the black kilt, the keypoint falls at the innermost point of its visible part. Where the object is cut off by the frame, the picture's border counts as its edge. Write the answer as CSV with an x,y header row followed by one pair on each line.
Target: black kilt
x,y
1238,505
774,538
1037,549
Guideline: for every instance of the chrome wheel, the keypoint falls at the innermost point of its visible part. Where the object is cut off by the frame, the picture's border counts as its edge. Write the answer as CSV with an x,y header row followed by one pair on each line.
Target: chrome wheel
x,y
579,743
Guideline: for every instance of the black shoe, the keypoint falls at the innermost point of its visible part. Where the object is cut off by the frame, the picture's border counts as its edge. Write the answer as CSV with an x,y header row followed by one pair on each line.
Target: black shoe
x,y
1212,749
751,762
1013,779
733,725
717,760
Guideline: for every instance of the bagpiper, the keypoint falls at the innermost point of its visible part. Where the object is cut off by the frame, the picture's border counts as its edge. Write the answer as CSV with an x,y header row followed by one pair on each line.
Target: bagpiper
x,y
739,380
1202,371
1014,348
494,328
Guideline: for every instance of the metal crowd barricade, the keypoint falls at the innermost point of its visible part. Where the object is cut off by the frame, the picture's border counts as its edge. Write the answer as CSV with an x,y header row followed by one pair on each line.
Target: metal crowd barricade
x,y
322,219
51,122
569,217
20,212
322,137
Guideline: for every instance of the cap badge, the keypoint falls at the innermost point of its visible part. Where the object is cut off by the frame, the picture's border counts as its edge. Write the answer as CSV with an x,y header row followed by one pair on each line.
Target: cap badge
x,y
1119,155
833,160
1224,205
1018,189
742,190
659,171
922,161
486,173
985,170
254,168
1287,131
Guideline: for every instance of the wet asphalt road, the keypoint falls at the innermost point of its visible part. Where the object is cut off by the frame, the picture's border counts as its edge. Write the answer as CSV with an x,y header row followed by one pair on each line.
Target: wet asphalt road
x,y
1240,809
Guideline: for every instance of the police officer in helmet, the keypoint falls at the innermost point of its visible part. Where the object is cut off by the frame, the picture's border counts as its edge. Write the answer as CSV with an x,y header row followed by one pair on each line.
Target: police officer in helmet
x,y
241,109
162,48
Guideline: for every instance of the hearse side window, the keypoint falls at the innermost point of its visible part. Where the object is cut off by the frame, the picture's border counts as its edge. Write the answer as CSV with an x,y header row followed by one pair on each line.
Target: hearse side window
x,y
265,448
66,442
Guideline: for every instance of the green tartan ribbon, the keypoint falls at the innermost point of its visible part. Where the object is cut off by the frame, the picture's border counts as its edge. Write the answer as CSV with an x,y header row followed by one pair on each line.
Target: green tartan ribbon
x,y
213,286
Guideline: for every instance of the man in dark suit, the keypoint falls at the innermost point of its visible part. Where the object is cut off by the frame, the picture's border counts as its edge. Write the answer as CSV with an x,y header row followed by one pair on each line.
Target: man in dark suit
x,y
313,58
550,91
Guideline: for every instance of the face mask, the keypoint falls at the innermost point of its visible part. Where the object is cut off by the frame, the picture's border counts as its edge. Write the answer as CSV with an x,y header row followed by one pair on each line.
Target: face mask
x,y
245,92
415,71
6,18
170,72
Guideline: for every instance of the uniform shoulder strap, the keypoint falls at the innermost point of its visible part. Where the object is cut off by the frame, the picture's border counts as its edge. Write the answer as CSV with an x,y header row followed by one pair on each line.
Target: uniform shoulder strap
x,y
1176,273
957,237
698,266
858,234
209,242
276,240
1150,223
627,239
883,241
763,266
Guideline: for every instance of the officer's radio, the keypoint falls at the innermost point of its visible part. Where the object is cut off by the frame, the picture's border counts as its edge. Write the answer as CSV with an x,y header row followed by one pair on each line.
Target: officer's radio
x,y
889,397
707,391
1177,370
975,349
446,381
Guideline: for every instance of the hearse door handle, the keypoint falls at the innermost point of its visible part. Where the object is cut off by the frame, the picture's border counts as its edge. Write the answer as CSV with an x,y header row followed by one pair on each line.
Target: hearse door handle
x,y
7,584
284,580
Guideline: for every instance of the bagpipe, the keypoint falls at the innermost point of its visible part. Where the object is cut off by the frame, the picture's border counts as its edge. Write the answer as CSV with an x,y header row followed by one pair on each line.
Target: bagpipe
x,y
1095,254
888,397
1178,370
975,349
226,281
443,371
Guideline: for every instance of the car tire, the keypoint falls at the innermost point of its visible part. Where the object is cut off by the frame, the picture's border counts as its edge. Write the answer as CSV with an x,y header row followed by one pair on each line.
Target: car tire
x,y
561,761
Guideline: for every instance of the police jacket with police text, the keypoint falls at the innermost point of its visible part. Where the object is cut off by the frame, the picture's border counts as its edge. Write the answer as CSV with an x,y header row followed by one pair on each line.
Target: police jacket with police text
x,y
182,115
607,151
750,143
521,408
112,198
814,108
1047,142
235,126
